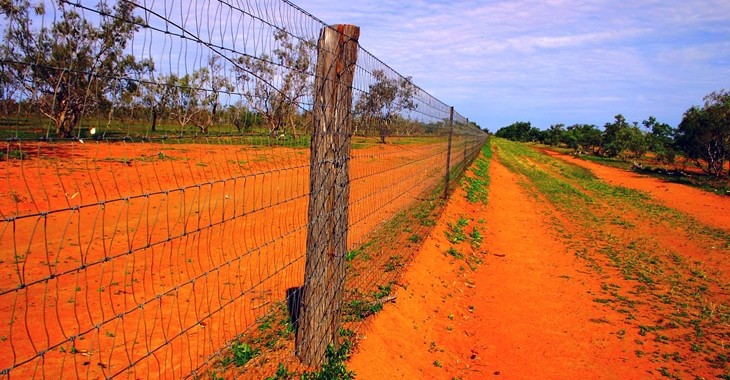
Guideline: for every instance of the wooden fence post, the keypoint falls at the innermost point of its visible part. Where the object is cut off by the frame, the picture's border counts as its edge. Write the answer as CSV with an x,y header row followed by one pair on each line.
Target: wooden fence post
x,y
448,154
324,278
466,139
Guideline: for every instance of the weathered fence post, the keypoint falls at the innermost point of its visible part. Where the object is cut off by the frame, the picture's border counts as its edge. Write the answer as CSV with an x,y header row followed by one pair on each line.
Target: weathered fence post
x,y
324,277
448,154
466,139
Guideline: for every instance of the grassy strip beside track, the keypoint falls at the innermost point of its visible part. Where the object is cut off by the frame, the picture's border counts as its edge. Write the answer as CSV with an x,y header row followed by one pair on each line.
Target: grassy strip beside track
x,y
675,297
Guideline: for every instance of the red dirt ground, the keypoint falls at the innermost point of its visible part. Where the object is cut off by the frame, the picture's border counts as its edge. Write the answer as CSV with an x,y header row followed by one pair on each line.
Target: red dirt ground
x,y
144,259
528,311
708,208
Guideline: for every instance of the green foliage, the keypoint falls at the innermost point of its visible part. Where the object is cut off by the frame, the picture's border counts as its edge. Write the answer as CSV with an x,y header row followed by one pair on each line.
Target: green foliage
x,y
383,291
282,373
243,353
278,106
455,232
334,367
554,135
477,186
583,137
454,253
520,131
14,154
654,275
53,65
661,140
363,306
704,133
620,139
353,254
383,101
476,238
394,262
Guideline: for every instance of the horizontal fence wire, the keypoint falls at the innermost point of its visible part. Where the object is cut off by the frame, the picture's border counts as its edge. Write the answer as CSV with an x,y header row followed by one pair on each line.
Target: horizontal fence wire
x,y
155,183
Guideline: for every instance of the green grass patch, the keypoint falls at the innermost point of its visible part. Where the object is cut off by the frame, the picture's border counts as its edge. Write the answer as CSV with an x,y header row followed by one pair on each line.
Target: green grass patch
x,y
476,184
607,237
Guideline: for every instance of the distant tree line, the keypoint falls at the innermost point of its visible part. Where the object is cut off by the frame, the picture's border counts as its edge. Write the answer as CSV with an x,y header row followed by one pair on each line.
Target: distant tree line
x,y
703,136
71,69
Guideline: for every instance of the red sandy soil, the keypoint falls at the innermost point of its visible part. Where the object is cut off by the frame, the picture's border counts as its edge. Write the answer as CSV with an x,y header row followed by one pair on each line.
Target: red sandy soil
x,y
706,207
145,259
528,311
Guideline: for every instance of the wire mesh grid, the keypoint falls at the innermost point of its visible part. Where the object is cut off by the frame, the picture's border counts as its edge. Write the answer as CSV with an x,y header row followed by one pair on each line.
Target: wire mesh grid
x,y
155,184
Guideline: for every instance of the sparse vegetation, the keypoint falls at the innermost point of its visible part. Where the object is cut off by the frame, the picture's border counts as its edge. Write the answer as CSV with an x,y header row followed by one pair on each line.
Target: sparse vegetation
x,y
455,232
334,366
657,273
477,183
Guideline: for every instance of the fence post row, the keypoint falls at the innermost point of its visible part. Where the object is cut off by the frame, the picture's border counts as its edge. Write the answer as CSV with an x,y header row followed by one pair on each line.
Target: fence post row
x,y
466,139
319,321
448,154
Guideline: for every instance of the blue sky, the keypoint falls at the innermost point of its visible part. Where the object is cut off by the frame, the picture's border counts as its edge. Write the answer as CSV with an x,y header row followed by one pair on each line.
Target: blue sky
x,y
549,62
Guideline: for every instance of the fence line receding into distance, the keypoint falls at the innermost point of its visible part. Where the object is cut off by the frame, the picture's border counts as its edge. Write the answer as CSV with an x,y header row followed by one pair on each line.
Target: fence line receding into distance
x,y
156,182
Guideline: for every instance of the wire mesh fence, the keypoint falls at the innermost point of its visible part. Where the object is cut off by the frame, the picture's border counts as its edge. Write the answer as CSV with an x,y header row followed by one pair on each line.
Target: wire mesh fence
x,y
156,180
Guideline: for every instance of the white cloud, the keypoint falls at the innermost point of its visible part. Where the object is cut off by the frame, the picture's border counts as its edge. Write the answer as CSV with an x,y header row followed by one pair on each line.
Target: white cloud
x,y
550,61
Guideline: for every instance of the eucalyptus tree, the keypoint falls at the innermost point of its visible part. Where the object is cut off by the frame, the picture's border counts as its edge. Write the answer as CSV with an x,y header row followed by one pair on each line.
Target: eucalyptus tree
x,y
704,133
385,99
68,66
277,84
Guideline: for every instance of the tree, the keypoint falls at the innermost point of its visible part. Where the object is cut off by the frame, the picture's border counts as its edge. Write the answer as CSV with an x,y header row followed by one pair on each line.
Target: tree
x,y
635,141
583,138
614,136
384,101
195,97
66,68
289,67
155,94
554,134
520,131
661,140
704,133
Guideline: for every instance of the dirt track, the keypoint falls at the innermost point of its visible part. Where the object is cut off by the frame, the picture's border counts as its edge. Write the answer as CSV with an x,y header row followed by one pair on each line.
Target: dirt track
x,y
545,304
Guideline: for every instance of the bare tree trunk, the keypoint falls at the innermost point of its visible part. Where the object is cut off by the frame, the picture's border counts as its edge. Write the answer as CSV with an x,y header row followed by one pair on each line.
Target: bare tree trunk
x,y
154,119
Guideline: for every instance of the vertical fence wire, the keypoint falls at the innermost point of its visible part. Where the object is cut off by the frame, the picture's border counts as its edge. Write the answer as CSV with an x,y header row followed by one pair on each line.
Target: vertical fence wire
x,y
155,184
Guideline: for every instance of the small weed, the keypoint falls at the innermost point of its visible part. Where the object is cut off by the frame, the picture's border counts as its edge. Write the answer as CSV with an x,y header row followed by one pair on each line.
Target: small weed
x,y
432,347
455,233
454,253
334,366
393,263
437,364
666,372
603,300
414,238
282,373
476,238
359,309
243,353
13,155
383,291
352,255
477,186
